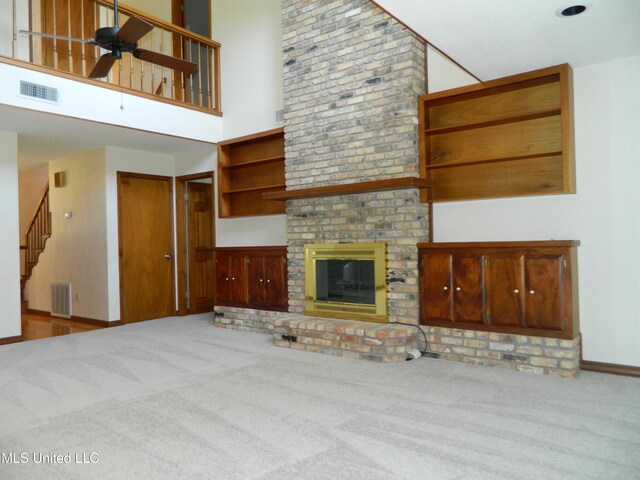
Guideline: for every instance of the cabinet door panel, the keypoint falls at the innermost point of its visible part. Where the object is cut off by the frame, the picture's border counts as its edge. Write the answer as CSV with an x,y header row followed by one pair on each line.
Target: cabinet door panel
x,y
256,279
543,296
468,279
276,284
505,289
238,288
223,292
436,287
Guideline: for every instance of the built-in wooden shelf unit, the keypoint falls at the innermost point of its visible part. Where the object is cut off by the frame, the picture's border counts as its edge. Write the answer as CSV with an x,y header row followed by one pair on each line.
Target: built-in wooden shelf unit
x,y
503,138
248,167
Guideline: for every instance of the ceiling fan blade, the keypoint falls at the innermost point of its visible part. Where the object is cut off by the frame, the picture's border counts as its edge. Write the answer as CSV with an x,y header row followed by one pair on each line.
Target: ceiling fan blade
x,y
133,30
56,37
166,61
103,66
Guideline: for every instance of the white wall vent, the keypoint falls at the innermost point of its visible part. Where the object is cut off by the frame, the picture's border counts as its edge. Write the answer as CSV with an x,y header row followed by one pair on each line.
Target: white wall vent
x,y
39,92
280,115
61,300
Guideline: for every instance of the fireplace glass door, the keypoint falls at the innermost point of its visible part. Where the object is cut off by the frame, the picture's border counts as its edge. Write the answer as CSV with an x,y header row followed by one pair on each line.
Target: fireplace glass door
x,y
347,281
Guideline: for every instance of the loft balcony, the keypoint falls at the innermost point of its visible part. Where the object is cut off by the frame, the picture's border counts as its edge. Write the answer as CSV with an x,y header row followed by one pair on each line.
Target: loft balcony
x,y
75,60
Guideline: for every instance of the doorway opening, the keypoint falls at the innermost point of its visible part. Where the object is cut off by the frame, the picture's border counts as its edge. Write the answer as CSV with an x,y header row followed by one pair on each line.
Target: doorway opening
x,y
195,223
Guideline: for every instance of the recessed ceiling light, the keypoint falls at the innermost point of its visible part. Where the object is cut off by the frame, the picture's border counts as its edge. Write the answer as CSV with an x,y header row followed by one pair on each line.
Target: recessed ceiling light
x,y
571,11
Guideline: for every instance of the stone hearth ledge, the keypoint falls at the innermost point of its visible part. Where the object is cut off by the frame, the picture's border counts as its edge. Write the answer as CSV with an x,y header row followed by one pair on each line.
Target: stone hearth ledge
x,y
389,343
378,342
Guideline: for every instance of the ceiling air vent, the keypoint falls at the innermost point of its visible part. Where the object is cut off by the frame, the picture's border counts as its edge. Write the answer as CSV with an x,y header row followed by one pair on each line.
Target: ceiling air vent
x,y
40,92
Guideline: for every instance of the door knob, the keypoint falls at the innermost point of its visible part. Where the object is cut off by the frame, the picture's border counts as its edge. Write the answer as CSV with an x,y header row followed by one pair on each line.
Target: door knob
x,y
445,288
458,289
516,291
168,256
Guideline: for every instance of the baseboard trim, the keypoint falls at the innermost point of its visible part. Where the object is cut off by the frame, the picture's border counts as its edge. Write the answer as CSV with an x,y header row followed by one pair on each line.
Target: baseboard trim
x,y
10,340
86,321
612,368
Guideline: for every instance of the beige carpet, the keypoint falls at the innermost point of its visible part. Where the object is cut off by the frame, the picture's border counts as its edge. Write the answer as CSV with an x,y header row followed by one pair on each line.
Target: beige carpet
x,y
177,398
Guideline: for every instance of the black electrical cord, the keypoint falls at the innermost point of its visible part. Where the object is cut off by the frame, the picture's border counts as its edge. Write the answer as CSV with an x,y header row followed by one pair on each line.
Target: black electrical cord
x,y
422,352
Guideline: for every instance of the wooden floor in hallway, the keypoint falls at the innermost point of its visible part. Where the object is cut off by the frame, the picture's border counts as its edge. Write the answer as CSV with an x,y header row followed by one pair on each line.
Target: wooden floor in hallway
x,y
36,326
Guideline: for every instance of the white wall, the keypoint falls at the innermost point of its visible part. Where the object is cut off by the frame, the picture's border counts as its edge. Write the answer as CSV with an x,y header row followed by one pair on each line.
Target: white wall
x,y
443,74
9,237
602,215
252,91
85,101
76,253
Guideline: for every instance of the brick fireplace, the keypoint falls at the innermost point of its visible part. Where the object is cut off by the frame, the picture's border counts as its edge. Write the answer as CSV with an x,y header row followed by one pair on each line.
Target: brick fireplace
x,y
351,80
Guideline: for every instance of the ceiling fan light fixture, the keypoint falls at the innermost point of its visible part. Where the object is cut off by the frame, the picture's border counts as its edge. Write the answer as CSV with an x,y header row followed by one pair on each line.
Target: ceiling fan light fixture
x,y
571,11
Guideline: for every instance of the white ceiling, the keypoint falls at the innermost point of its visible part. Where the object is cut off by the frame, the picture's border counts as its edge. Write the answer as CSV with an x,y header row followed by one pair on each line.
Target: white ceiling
x,y
43,137
495,38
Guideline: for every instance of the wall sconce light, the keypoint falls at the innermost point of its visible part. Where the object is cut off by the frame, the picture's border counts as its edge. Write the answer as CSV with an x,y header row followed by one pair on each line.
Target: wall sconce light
x,y
59,179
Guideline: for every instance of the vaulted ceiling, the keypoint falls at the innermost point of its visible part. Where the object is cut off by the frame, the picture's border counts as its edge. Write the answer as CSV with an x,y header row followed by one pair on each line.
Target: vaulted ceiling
x,y
495,38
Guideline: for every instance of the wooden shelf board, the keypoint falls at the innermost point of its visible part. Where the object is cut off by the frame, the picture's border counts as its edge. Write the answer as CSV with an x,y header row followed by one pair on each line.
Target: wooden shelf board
x,y
252,162
495,121
362,187
253,189
493,160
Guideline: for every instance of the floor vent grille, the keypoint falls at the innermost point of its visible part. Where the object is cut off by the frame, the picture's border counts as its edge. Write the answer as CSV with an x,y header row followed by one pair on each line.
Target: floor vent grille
x,y
41,92
61,300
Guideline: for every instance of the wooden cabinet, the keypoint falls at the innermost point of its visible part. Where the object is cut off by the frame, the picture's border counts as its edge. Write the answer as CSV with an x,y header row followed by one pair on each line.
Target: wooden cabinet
x,y
454,287
230,278
252,277
248,167
510,287
267,280
503,138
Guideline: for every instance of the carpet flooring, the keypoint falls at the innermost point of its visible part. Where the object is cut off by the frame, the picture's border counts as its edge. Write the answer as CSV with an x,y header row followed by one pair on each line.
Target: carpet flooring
x,y
177,398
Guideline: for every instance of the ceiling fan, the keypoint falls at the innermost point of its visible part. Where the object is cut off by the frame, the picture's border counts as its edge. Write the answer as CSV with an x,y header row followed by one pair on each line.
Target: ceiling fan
x,y
118,40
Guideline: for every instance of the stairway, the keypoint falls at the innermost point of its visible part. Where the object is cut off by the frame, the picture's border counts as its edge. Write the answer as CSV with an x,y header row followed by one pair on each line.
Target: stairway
x,y
37,235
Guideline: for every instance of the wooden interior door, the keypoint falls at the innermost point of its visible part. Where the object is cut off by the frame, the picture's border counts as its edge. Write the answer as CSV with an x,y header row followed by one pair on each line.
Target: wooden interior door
x,y
201,244
145,230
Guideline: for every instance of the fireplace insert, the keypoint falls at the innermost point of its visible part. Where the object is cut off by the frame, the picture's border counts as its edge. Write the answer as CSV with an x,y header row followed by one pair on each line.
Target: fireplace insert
x,y
346,281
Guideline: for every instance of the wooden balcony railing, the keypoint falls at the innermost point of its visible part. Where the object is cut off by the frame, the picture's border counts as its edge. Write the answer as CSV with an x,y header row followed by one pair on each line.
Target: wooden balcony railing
x,y
80,19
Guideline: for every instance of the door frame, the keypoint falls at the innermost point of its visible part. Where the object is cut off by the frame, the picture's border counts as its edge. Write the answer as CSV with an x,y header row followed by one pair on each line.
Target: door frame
x,y
177,14
181,234
120,176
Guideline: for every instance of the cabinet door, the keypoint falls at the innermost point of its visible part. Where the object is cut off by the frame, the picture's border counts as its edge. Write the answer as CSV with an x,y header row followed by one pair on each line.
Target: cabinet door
x,y
544,294
468,294
504,280
256,281
238,281
223,277
435,286
276,281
